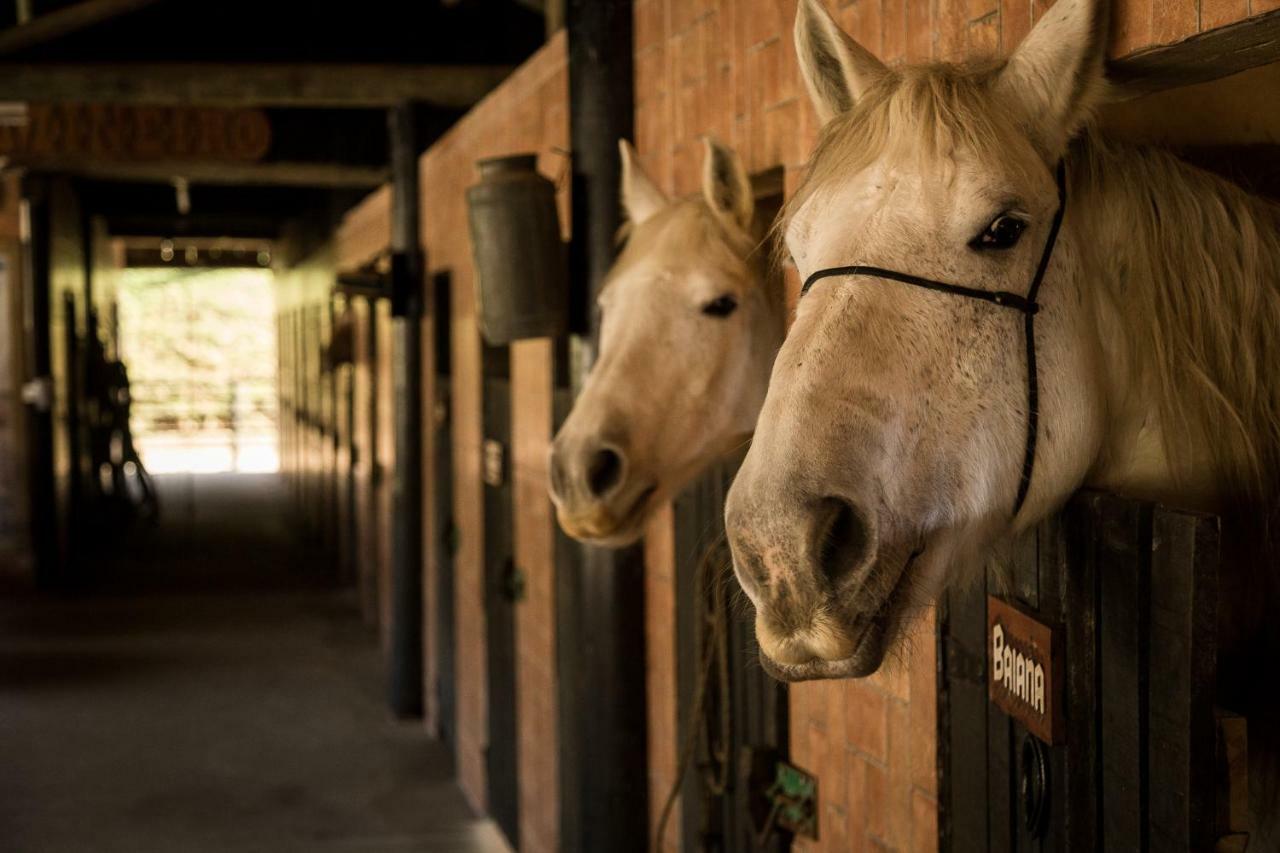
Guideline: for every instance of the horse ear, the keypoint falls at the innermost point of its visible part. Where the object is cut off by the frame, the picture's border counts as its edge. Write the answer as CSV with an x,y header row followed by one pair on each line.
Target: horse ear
x,y
725,184
1056,75
640,195
837,70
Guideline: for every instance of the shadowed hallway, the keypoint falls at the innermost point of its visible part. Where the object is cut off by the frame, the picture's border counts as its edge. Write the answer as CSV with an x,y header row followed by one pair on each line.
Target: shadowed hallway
x,y
212,694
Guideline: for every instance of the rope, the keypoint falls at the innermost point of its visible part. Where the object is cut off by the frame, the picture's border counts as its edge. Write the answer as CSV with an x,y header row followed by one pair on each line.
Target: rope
x,y
709,581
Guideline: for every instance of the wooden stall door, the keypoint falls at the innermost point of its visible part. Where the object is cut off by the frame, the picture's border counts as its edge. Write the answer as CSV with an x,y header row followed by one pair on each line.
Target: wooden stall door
x,y
500,590
745,715
1130,590
385,455
743,728
364,454
446,528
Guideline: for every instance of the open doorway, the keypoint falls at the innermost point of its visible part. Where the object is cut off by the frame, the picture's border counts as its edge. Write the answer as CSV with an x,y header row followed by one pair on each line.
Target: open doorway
x,y
200,343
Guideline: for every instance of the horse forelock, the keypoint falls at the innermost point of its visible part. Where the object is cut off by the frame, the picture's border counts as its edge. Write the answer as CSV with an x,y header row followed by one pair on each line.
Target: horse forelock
x,y
925,111
688,231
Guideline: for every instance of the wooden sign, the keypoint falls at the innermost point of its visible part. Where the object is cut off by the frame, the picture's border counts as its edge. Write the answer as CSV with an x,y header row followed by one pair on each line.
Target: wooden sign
x,y
116,132
1024,674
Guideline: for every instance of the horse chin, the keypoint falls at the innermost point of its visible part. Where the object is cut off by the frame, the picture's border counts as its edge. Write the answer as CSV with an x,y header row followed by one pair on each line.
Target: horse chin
x,y
601,526
865,660
876,636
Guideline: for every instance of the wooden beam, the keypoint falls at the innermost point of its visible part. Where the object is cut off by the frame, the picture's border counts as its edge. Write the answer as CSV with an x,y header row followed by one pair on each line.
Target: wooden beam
x,y
1218,53
333,175
280,85
54,25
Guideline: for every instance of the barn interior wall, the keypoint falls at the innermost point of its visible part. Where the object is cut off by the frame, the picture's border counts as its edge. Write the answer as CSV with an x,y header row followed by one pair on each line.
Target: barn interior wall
x,y
528,113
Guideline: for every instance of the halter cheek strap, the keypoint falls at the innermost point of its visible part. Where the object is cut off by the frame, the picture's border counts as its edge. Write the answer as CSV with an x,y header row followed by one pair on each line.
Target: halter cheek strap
x,y
1027,305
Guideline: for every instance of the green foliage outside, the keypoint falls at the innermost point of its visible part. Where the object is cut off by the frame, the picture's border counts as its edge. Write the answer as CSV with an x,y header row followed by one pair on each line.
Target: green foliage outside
x,y
200,346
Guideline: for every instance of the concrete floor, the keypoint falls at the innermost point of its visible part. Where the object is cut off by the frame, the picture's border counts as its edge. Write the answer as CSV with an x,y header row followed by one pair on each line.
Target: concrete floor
x,y
212,694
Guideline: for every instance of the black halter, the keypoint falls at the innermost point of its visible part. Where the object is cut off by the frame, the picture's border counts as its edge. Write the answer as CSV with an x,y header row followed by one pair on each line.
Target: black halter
x,y
1025,304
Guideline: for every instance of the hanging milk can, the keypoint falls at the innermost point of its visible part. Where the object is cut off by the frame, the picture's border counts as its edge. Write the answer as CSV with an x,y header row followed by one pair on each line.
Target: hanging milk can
x,y
520,259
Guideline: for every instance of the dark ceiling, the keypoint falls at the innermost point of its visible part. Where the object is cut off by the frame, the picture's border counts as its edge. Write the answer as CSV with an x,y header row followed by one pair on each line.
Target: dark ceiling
x,y
246,34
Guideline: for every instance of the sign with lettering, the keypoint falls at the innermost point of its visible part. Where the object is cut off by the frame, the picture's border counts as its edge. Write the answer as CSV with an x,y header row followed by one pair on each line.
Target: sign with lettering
x,y
1024,675
117,132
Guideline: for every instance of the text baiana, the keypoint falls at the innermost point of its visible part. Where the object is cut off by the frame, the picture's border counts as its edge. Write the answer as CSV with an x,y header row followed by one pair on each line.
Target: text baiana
x,y
1020,675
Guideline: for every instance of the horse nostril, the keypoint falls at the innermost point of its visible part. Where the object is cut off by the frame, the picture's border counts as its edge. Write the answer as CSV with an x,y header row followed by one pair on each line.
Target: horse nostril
x,y
604,471
842,539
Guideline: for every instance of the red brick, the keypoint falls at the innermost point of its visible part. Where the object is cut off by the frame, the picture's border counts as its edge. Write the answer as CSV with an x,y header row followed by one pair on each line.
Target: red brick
x,y
826,761
919,30
892,678
951,38
1175,20
899,806
778,141
1131,26
651,77
984,37
686,169
875,801
766,75
865,720
976,9
894,29
864,21
650,24
1218,13
924,823
856,799
682,14
1015,23
924,709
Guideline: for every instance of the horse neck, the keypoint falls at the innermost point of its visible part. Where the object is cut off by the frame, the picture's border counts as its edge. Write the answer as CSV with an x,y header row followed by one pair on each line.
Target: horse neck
x,y
1186,314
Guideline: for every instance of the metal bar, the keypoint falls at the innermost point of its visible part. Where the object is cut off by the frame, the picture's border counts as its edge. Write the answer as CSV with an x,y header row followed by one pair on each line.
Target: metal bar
x,y
406,561
31,32
283,85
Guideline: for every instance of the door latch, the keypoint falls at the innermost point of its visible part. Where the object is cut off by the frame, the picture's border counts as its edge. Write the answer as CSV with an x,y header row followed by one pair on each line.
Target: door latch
x,y
514,583
495,460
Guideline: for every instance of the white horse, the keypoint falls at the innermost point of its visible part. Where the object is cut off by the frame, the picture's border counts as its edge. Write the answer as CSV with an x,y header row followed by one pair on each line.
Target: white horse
x,y
688,335
890,447
889,453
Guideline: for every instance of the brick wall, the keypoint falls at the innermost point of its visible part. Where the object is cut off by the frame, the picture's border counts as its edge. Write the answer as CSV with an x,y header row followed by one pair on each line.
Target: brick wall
x,y
528,113
728,68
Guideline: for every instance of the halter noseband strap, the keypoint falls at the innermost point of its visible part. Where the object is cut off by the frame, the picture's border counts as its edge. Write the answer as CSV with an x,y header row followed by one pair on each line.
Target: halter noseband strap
x,y
1027,305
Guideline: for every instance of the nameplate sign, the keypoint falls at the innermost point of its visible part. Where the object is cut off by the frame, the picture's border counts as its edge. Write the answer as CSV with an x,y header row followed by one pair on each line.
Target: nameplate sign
x,y
1024,675
114,132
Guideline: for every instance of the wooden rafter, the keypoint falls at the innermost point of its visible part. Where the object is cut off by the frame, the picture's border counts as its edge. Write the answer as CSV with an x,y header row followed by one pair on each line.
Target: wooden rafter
x,y
54,25
280,85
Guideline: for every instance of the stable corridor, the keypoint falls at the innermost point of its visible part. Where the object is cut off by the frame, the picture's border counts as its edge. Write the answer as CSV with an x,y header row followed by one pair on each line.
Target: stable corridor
x,y
211,690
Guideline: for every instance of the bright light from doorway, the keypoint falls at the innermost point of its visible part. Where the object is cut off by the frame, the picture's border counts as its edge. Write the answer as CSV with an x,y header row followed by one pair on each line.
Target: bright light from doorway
x,y
200,346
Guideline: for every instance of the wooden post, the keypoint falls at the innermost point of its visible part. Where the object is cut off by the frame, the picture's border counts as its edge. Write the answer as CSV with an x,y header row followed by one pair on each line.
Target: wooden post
x,y
406,301
607,751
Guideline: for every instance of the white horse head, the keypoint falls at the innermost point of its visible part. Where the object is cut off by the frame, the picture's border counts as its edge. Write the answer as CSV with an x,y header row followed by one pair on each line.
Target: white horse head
x,y
890,447
688,334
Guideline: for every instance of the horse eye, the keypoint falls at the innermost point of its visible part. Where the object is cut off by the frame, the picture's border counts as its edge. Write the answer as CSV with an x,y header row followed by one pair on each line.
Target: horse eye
x,y
1003,233
721,306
